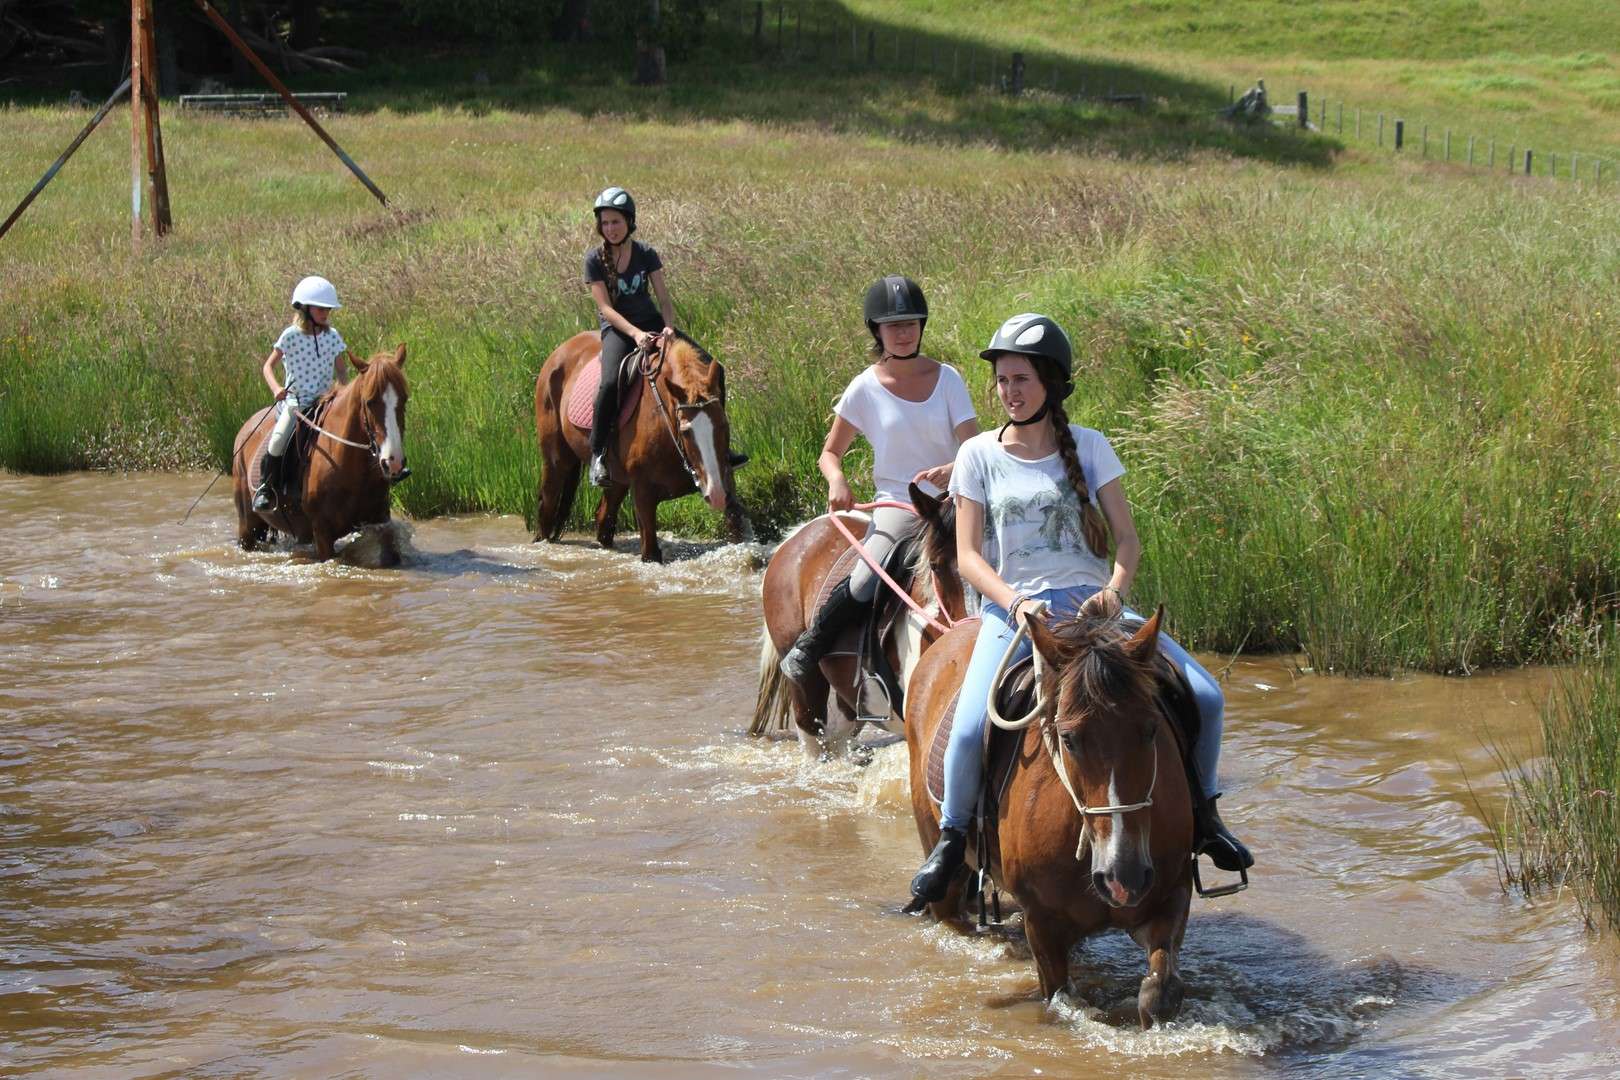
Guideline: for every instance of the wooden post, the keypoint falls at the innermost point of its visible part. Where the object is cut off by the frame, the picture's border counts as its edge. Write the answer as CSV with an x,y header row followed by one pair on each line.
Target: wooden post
x,y
137,101
1529,160
156,174
1341,118
1380,129
1358,125
1552,166
1470,149
1400,134
1304,112
1448,144
1425,141
1323,124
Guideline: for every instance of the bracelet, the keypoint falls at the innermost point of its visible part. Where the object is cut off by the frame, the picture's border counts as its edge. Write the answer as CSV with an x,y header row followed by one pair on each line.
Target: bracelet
x,y
1012,608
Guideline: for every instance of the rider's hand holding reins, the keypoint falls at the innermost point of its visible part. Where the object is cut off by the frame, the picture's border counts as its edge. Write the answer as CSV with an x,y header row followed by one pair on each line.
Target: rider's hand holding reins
x,y
939,476
282,393
1105,603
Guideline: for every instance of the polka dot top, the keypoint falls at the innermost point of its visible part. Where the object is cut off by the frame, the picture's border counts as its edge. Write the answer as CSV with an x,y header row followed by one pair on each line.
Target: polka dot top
x,y
307,360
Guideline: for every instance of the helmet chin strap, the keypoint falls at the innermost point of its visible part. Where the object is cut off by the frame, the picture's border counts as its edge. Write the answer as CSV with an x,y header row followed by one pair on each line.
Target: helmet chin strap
x,y
1034,418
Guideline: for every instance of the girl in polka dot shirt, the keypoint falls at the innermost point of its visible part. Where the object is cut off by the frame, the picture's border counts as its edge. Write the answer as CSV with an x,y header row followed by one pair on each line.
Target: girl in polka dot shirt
x,y
312,356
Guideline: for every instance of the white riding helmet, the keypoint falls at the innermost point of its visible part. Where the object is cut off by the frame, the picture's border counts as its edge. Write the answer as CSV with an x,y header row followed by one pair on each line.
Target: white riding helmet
x,y
315,291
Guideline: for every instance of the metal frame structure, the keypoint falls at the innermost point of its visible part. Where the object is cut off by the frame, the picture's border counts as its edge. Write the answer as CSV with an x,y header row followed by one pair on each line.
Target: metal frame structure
x,y
146,131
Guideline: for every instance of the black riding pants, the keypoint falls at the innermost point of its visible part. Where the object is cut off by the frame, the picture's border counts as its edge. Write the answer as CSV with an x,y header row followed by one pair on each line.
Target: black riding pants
x,y
615,347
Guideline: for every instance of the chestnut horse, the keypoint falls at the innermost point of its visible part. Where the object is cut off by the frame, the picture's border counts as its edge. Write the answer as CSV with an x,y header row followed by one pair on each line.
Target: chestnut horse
x,y
1100,724
823,712
344,481
676,440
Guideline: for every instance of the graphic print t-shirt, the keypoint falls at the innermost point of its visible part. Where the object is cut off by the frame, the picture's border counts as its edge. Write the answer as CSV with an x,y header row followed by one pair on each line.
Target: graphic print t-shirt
x,y
633,299
1032,533
307,360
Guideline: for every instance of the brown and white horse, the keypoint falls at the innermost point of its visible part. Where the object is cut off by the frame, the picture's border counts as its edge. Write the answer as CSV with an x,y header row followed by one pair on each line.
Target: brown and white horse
x,y
823,712
345,479
675,441
1114,852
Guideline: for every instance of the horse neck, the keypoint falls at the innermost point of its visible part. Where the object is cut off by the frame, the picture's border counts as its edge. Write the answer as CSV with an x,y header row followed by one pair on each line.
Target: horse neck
x,y
346,415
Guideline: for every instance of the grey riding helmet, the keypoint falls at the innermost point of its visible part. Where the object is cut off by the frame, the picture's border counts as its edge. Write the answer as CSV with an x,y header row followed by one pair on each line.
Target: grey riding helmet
x,y
1035,335
894,299
615,198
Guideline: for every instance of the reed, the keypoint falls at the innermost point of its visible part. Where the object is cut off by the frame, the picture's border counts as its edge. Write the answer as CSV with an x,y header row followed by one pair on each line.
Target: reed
x,y
1368,412
1562,825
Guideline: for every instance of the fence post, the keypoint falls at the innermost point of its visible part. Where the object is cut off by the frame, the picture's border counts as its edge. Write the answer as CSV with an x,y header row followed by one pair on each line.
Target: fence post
x,y
1448,144
1552,166
1492,163
1425,141
1015,84
1304,112
1400,134
1529,156
1341,118
1380,129
1358,125
1323,125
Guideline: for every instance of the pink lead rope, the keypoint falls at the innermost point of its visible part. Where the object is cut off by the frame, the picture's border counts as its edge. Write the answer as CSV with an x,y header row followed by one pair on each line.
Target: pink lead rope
x,y
860,550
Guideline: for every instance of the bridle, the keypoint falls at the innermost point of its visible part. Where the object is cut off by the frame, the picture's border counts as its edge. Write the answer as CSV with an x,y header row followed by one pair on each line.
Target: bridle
x,y
650,362
371,444
1056,748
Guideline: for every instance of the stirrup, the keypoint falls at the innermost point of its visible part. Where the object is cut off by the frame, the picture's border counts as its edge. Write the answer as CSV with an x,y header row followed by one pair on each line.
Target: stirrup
x,y
600,475
1217,890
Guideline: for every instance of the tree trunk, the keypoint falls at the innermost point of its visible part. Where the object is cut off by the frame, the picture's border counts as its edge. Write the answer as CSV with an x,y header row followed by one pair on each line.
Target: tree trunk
x,y
650,69
306,24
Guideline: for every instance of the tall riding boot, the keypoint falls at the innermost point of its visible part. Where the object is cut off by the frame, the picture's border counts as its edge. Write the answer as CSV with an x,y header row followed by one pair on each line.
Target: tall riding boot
x,y
603,427
839,611
935,876
1211,837
264,499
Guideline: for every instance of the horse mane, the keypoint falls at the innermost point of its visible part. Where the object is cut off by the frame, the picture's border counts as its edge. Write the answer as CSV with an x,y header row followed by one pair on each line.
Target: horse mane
x,y
936,545
1096,670
380,368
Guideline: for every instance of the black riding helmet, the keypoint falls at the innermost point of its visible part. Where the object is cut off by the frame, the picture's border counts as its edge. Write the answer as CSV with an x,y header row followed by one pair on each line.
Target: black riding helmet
x,y
894,299
615,198
1036,336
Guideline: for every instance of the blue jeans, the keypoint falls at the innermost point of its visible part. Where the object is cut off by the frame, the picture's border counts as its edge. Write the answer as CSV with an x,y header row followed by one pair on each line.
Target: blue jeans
x,y
964,758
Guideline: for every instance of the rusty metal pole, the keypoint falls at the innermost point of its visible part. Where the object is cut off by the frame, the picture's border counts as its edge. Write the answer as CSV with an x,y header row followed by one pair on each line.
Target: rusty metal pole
x,y
287,96
95,121
156,174
137,101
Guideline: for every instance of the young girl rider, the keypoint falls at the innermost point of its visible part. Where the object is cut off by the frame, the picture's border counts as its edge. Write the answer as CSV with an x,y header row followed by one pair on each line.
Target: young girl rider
x,y
1035,505
915,412
312,355
623,275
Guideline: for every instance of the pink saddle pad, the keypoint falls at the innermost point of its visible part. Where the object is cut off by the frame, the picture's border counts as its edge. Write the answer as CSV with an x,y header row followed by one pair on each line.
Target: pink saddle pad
x,y
581,409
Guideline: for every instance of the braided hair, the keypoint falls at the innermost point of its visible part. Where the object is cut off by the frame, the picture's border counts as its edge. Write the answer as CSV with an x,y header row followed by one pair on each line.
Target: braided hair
x,y
1092,524
610,266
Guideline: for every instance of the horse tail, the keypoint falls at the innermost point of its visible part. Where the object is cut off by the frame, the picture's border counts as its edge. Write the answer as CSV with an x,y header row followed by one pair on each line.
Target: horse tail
x,y
772,707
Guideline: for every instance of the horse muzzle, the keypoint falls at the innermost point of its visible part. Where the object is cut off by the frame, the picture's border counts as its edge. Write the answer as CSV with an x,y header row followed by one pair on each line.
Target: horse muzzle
x,y
1123,887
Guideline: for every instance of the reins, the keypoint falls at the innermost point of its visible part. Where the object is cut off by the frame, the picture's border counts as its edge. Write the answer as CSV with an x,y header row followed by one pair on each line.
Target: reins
x,y
649,362
365,422
1055,747
894,586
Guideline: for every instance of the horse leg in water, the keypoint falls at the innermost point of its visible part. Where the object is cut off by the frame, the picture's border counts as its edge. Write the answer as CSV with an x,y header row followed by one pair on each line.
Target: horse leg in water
x,y
647,518
325,540
607,514
1052,934
1160,996
250,529
559,480
839,729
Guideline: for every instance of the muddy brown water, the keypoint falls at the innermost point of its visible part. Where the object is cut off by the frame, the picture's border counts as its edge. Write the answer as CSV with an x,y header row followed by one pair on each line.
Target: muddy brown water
x,y
494,814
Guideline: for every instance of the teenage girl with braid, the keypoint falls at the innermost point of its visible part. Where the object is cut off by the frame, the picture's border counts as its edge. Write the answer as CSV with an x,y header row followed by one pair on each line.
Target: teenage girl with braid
x,y
1036,503
916,412
623,276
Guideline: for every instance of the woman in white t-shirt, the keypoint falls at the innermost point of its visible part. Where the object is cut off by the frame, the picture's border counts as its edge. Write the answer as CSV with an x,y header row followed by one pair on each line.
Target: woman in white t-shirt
x,y
916,412
311,354
1036,503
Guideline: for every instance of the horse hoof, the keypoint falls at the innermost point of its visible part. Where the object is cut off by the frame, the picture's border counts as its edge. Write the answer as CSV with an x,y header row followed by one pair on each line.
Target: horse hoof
x,y
1159,1000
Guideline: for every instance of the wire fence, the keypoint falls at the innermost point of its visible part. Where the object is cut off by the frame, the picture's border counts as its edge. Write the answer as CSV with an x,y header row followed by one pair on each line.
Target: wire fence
x,y
825,34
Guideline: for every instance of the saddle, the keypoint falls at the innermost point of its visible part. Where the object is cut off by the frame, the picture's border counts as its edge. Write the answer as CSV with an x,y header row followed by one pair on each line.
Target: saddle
x,y
581,409
297,455
877,686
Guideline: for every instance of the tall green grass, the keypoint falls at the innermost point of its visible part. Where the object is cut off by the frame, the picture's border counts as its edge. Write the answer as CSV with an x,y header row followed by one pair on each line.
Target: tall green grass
x,y
1367,413
1563,821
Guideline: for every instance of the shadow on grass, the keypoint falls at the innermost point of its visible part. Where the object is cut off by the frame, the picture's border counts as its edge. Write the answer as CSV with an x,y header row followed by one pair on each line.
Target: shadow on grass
x,y
815,64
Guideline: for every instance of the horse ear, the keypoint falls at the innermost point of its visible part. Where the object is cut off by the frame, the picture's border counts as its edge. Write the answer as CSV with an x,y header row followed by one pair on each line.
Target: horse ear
x,y
359,364
399,355
927,506
1145,642
1045,642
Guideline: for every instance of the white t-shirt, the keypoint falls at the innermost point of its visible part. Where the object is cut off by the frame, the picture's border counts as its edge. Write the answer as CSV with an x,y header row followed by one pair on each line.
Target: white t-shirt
x,y
906,436
1032,533
307,360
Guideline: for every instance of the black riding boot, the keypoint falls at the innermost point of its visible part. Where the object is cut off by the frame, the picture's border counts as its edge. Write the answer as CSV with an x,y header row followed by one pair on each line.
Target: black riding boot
x,y
935,876
264,499
603,427
839,611
1211,837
